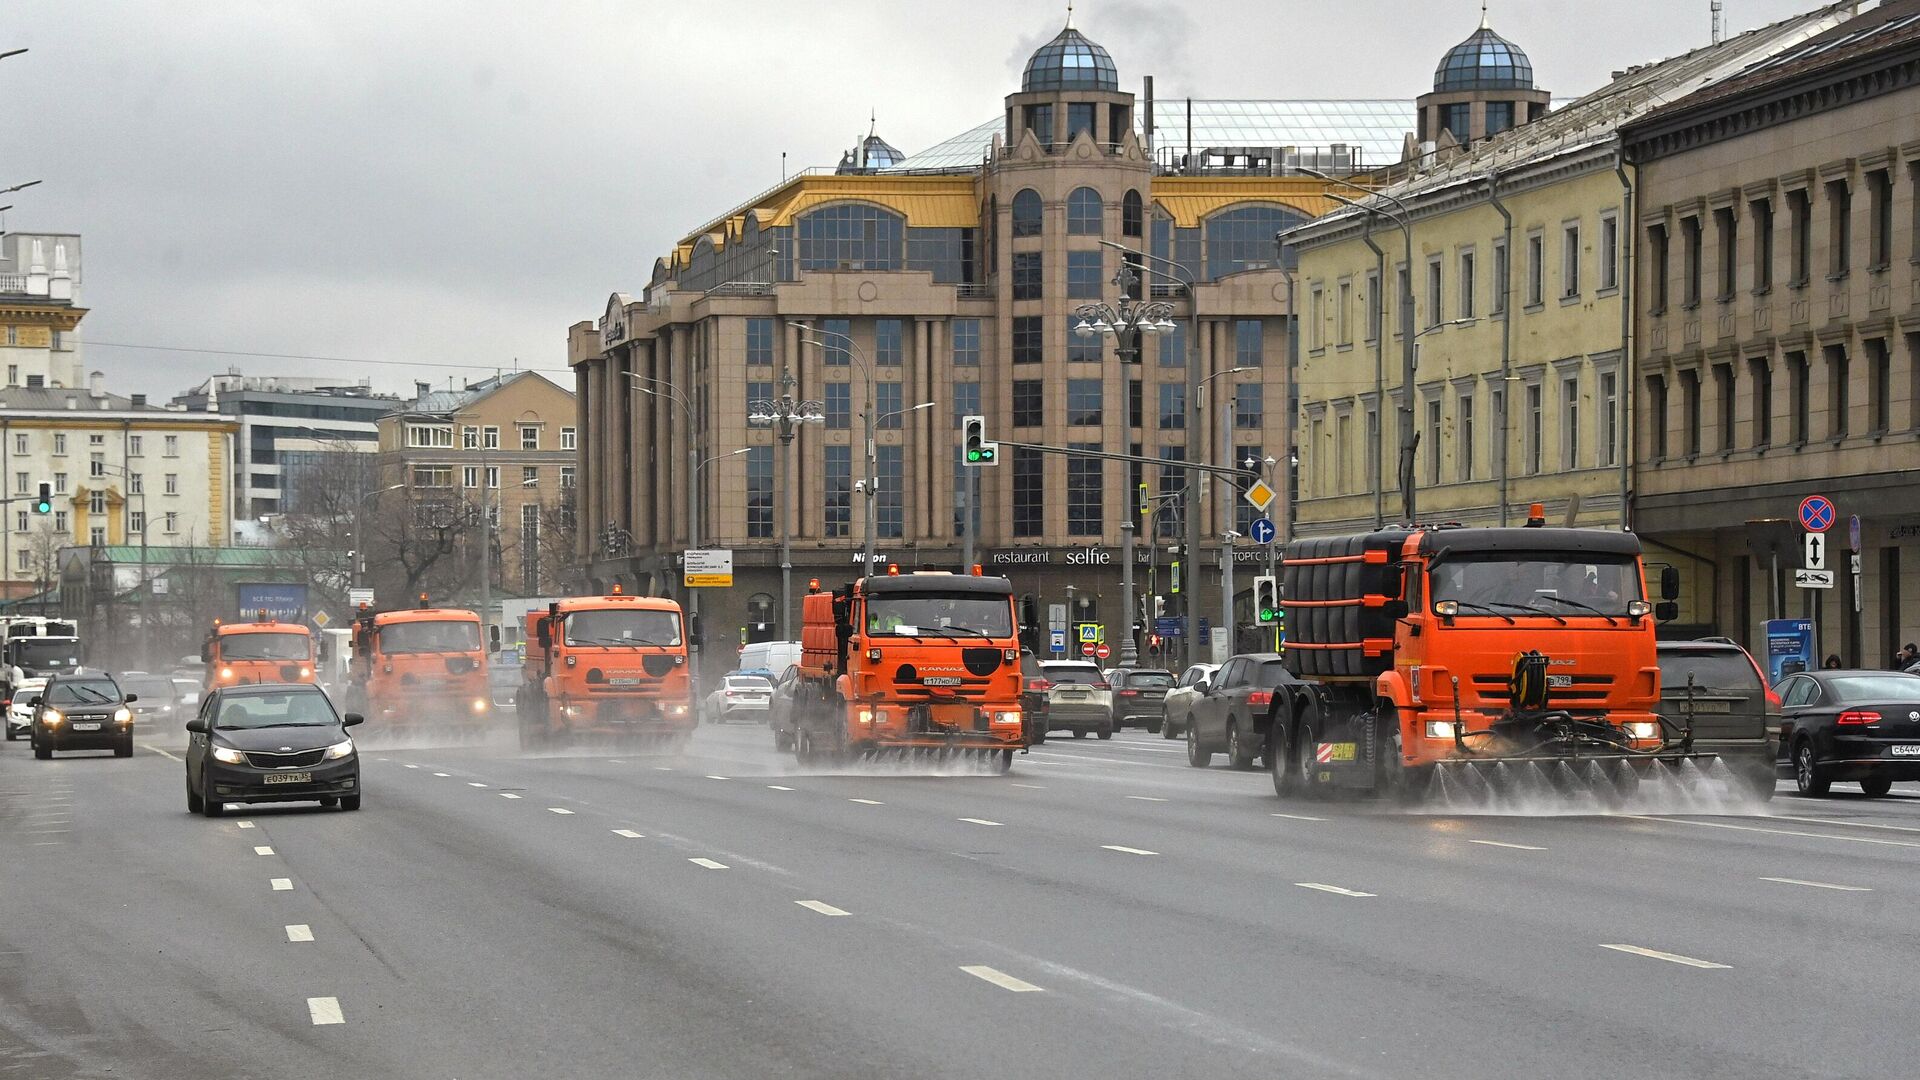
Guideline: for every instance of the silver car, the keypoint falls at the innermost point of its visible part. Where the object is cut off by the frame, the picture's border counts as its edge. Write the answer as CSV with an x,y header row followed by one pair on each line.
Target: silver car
x,y
1177,708
1078,699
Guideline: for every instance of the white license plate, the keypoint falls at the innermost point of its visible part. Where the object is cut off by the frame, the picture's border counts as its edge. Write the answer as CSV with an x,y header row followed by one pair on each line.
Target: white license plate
x,y
1559,682
1905,751
623,682
87,727
289,778
942,680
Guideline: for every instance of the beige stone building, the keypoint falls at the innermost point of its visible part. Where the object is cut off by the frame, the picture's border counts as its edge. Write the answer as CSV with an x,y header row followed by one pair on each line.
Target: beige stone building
x,y
1779,343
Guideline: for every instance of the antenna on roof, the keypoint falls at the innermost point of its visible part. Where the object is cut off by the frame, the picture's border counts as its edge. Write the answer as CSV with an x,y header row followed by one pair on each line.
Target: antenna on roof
x,y
1719,25
1069,14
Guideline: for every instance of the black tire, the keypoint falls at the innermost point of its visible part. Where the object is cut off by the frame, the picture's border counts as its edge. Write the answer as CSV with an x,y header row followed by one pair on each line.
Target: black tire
x,y
350,802
42,753
209,805
1239,755
1003,762
1306,739
1876,787
195,804
1196,757
1106,732
124,748
1808,776
1286,779
12,735
1167,730
1153,727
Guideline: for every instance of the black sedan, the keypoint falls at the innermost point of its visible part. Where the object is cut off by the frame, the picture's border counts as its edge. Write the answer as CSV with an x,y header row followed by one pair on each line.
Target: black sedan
x,y
1850,725
81,712
270,743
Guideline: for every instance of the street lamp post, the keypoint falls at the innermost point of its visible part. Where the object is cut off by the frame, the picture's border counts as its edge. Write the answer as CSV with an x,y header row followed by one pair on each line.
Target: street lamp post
x,y
867,418
784,414
1227,502
359,532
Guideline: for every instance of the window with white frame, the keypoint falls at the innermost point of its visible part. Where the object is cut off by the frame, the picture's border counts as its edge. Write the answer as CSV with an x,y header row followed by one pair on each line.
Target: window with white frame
x,y
566,476
469,437
529,475
568,436
170,484
1342,318
136,484
21,442
1467,285
60,522
97,502
136,522
22,483
1609,252
1570,422
1316,323
96,465
59,483
489,438
20,521
170,522
1463,435
1570,260
136,445
493,477
59,443
96,440
97,535
1536,272
1535,432
23,557
428,436
529,436
1498,306
1609,418
171,446
470,476
1435,299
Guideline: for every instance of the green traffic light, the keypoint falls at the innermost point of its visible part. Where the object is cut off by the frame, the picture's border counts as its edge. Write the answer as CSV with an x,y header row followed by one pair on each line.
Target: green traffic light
x,y
973,455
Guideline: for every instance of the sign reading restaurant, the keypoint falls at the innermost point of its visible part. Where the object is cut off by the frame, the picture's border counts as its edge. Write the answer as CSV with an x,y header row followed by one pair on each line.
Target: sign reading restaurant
x,y
1014,558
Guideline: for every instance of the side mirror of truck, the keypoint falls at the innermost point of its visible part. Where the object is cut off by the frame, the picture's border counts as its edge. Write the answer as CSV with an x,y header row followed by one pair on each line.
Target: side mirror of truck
x,y
1666,611
693,628
197,726
543,634
1669,583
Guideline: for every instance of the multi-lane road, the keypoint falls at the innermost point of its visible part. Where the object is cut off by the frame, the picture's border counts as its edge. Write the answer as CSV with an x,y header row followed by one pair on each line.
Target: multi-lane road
x,y
1104,911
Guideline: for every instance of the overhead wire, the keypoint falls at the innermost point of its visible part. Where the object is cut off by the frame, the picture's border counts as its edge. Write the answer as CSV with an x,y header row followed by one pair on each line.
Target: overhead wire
x,y
329,359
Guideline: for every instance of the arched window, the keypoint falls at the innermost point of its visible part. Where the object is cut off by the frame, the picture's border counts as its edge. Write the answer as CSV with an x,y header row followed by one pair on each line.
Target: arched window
x,y
1243,238
1132,213
1026,213
1083,212
851,236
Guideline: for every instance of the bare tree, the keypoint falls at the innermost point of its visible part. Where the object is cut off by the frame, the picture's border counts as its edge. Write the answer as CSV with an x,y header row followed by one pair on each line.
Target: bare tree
x,y
413,545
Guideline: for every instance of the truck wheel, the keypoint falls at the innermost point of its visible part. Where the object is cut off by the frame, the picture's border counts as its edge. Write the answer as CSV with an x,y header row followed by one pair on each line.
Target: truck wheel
x,y
1003,763
1876,787
1306,738
1239,755
1196,757
1286,778
1808,776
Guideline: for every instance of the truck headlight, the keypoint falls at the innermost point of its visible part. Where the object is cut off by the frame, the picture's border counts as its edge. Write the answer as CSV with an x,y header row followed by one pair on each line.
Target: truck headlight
x,y
479,705
865,716
1440,729
306,673
343,748
677,710
1639,609
123,715
1010,717
229,755
1643,729
226,673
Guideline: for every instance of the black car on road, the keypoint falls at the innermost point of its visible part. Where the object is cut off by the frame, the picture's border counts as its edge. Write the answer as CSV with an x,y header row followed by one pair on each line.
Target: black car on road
x,y
81,712
1139,695
1850,725
270,743
1234,711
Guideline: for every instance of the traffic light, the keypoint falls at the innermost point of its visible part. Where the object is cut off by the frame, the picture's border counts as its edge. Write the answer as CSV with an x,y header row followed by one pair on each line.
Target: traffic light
x,y
979,452
1159,607
1146,504
44,504
1266,600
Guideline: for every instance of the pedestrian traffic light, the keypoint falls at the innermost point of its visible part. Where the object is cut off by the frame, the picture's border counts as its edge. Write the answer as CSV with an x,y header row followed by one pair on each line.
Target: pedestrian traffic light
x,y
1146,504
1266,600
44,504
979,451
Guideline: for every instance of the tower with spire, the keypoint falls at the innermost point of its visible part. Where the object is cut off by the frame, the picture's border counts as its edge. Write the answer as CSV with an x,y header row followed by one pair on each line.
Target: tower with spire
x,y
1483,86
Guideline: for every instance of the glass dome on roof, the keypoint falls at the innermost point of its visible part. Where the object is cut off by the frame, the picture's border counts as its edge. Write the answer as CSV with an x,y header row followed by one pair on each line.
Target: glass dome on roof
x,y
1070,62
1485,61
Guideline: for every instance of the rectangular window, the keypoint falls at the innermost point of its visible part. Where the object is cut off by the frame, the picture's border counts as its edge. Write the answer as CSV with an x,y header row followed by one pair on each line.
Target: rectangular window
x,y
1463,465
96,465
1762,371
759,390
1658,269
136,522
1029,344
60,483
1040,122
1657,415
1800,387
566,477
1536,427
96,440
1028,271
1084,402
1609,252
1691,257
1173,478
1569,261
433,476
529,436
1880,206
1570,422
1468,285
1726,235
1342,311
1029,402
1370,453
13,379
1173,347
170,484
470,476
1136,403
136,445
171,445
1085,347
469,438
1839,403
1536,272
1724,404
1609,418
1084,273
1249,411
493,478
20,521
1690,410
60,522
839,491
1879,385
1432,438
59,444
759,341
1249,342
490,438
136,484
890,503
1800,220
1839,228
1079,119
21,483
97,535
839,405
966,401
1316,317
1086,481
23,559
1372,300
760,492
889,405
966,342
1173,406
1029,493
568,438
887,349
20,442
834,341
1501,278
1761,210
170,522
1435,301
529,476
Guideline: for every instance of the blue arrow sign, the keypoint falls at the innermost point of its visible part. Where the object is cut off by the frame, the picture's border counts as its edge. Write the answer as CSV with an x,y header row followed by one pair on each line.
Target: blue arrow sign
x,y
1262,531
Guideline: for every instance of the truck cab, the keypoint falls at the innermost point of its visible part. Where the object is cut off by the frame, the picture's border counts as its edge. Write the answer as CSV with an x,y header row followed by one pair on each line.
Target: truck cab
x,y
609,665
420,666
237,654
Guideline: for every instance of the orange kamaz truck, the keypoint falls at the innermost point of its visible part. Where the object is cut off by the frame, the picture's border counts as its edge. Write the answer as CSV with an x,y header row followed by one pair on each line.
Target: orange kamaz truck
x,y
927,662
1465,662
420,670
606,666
257,652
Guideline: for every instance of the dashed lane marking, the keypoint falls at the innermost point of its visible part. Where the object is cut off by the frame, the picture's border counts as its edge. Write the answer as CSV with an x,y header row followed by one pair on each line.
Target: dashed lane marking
x,y
1128,850
710,776
1032,787
281,884
1297,817
1671,958
777,787
999,978
406,766
629,834
1777,832
472,783
1838,821
708,863
263,850
439,774
244,824
508,795
1334,889
299,932
157,750
558,810
978,821
1145,798
821,907
868,802
663,768
325,1010
1503,844
1817,884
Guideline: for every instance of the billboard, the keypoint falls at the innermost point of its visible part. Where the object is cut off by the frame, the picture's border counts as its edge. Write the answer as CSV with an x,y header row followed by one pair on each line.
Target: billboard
x,y
1789,647
283,601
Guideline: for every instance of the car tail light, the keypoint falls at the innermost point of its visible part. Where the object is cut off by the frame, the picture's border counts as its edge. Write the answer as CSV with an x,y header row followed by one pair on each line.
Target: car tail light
x,y
1039,684
1260,697
1129,693
1773,700
1859,716
1098,686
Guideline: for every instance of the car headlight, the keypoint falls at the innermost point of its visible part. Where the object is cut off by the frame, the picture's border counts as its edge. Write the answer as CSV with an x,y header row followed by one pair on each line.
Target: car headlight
x,y
123,715
1010,717
229,755
343,748
1643,729
51,717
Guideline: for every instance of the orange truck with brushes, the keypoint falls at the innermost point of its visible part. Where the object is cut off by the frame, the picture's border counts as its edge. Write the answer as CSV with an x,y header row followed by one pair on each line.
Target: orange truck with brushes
x,y
420,670
237,654
606,666
1469,664
919,664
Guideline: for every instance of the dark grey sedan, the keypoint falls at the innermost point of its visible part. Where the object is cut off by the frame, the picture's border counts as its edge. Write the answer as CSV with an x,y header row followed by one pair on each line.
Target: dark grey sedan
x,y
264,742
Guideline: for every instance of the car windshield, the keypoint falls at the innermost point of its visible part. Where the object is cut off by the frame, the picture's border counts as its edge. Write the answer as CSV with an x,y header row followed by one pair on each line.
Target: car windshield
x,y
290,709
45,655
935,615
615,628
87,692
1524,584
1710,671
1887,689
265,646
152,691
1079,676
1150,680
439,635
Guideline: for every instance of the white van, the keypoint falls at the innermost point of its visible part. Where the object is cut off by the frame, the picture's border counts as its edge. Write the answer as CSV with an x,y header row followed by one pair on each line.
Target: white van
x,y
773,657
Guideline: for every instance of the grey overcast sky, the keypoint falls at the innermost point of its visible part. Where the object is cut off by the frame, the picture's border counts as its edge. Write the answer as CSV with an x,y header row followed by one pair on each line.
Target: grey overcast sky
x,y
455,181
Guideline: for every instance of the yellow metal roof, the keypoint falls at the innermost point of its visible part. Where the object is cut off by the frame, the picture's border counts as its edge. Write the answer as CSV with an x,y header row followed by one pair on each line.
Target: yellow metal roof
x,y
1188,199
927,202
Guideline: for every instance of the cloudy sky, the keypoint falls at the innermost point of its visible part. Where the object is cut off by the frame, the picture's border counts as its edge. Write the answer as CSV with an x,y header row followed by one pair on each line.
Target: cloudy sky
x,y
440,187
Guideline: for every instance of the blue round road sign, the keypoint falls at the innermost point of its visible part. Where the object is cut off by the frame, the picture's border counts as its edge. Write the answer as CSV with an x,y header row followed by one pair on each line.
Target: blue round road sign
x,y
1262,531
1816,513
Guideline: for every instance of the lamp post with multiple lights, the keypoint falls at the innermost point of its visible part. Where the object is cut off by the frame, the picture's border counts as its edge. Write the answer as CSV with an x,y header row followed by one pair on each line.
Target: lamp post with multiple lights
x,y
785,414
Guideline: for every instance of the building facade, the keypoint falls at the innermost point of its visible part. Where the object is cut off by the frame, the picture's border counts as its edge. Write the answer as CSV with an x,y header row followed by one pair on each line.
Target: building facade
x,y
40,310
293,432
1779,344
954,279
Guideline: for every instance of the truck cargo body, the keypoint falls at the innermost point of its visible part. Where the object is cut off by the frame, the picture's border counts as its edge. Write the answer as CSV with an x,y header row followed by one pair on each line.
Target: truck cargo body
x,y
613,666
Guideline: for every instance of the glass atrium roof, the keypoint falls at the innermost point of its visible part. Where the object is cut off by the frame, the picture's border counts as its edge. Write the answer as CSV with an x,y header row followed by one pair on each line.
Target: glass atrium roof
x,y
1485,61
1070,62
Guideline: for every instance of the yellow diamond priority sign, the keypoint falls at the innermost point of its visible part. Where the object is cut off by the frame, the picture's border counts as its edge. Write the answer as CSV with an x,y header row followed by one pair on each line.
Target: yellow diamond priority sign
x,y
1260,495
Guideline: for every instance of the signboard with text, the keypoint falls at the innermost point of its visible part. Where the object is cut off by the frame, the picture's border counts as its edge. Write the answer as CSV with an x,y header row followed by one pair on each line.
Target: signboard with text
x,y
708,568
1789,647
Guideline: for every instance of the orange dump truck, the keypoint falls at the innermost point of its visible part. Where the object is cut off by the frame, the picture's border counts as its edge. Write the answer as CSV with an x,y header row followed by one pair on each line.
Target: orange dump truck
x,y
258,652
420,668
613,666
925,662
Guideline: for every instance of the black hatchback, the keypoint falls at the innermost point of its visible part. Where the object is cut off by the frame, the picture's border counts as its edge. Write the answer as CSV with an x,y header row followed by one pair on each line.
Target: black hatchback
x,y
1850,725
81,712
270,743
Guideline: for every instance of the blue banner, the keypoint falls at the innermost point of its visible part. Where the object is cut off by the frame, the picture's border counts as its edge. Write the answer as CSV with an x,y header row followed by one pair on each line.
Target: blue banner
x,y
1789,647
282,602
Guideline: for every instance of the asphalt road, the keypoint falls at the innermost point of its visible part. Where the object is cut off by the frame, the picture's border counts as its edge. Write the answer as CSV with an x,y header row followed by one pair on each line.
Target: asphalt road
x,y
1104,911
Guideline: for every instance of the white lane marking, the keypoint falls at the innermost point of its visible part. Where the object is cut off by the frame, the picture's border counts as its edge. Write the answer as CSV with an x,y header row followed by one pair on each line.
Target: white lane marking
x,y
471,783
263,850
1145,798
1671,958
1503,844
978,821
406,766
821,907
629,834
439,774
999,978
508,795
325,1010
777,787
299,932
1777,832
1818,884
868,802
663,768
558,810
710,776
1334,889
244,824
708,863
1032,787
615,761
157,750
385,759
1128,850
1297,817
1837,821
281,884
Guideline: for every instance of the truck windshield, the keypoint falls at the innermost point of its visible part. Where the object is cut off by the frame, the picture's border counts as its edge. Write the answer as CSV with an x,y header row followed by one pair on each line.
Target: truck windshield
x,y
934,615
265,647
618,628
419,637
45,655
1509,583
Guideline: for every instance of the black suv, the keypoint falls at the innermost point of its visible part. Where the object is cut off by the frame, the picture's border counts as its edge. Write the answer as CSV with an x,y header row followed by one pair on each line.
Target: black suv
x,y
82,712
270,743
1715,687
1139,696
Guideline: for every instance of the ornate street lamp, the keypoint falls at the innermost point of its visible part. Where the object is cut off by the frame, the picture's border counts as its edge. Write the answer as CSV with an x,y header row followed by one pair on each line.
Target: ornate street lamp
x,y
784,414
